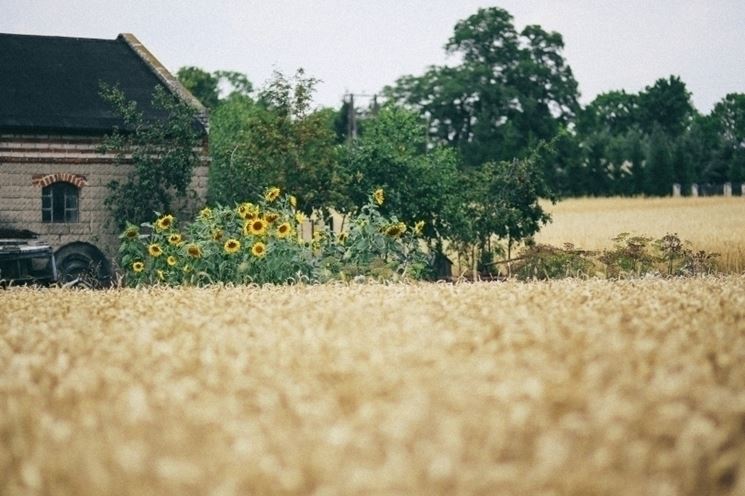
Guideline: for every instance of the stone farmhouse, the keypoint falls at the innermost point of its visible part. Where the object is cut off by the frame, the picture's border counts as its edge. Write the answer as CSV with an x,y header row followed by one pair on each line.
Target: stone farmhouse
x,y
53,178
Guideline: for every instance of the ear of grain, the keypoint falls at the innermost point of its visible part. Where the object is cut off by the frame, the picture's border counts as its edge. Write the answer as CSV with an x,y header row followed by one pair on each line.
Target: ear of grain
x,y
566,387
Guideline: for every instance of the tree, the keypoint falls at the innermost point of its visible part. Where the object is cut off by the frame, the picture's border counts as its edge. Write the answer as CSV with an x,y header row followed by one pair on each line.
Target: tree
x,y
510,91
163,153
597,173
201,84
230,124
635,155
682,165
562,164
205,86
275,141
659,169
729,115
616,112
505,202
666,105
420,183
618,130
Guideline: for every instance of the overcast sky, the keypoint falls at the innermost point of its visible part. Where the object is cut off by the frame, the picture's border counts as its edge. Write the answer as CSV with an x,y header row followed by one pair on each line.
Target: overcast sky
x,y
360,46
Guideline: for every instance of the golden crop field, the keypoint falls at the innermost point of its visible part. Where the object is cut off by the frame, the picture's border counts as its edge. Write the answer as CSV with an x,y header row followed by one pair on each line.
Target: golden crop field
x,y
597,387
714,224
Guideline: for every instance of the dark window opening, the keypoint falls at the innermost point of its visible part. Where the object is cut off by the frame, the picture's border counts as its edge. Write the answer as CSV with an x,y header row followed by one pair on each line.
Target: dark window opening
x,y
59,203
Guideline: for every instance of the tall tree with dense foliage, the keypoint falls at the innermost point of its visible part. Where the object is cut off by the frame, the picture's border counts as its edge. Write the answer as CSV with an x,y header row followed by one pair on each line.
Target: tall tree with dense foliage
x,y
659,169
615,112
729,116
667,105
636,143
510,90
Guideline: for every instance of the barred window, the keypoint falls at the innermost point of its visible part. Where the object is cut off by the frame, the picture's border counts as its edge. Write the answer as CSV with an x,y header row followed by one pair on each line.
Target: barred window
x,y
59,203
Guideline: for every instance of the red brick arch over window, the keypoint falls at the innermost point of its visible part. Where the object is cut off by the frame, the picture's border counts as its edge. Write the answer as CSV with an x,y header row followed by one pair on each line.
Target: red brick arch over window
x,y
44,181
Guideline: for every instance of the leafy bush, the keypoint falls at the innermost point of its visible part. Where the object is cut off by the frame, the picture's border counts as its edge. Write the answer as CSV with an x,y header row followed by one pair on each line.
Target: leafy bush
x,y
631,256
261,243
540,261
680,259
669,255
378,246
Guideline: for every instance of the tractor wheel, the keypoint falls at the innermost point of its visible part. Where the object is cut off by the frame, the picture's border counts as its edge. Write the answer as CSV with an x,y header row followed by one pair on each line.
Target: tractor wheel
x,y
82,264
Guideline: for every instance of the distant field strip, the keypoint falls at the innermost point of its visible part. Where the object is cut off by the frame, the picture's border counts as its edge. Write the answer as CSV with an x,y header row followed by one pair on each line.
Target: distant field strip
x,y
567,387
715,224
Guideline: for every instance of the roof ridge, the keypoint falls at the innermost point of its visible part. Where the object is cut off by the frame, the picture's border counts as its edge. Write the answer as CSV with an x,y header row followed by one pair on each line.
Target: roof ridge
x,y
164,75
77,38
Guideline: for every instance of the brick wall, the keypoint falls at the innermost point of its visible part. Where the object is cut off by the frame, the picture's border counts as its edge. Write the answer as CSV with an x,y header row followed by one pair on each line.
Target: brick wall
x,y
29,162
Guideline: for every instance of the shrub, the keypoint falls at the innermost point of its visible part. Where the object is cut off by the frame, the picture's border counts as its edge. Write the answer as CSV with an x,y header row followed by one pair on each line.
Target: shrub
x,y
378,246
632,256
549,262
640,255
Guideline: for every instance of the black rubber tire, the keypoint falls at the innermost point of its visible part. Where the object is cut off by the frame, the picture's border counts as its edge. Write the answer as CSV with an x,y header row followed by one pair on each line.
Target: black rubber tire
x,y
84,263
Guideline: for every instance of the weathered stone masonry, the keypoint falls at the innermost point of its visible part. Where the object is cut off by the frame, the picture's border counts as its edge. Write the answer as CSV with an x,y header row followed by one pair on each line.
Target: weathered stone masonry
x,y
30,162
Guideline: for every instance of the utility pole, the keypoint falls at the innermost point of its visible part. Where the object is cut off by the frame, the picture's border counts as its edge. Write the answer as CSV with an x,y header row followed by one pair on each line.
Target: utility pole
x,y
352,112
351,119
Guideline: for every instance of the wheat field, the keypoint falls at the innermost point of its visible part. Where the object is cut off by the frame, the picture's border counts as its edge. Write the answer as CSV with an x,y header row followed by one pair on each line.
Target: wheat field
x,y
714,224
567,387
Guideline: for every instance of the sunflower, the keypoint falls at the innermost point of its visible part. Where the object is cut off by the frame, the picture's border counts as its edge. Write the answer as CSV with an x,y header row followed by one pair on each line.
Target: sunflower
x,y
217,234
284,230
171,260
138,266
270,217
164,222
396,229
174,239
378,196
419,227
194,250
131,232
272,194
247,210
154,250
258,249
231,246
257,227
300,217
205,213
